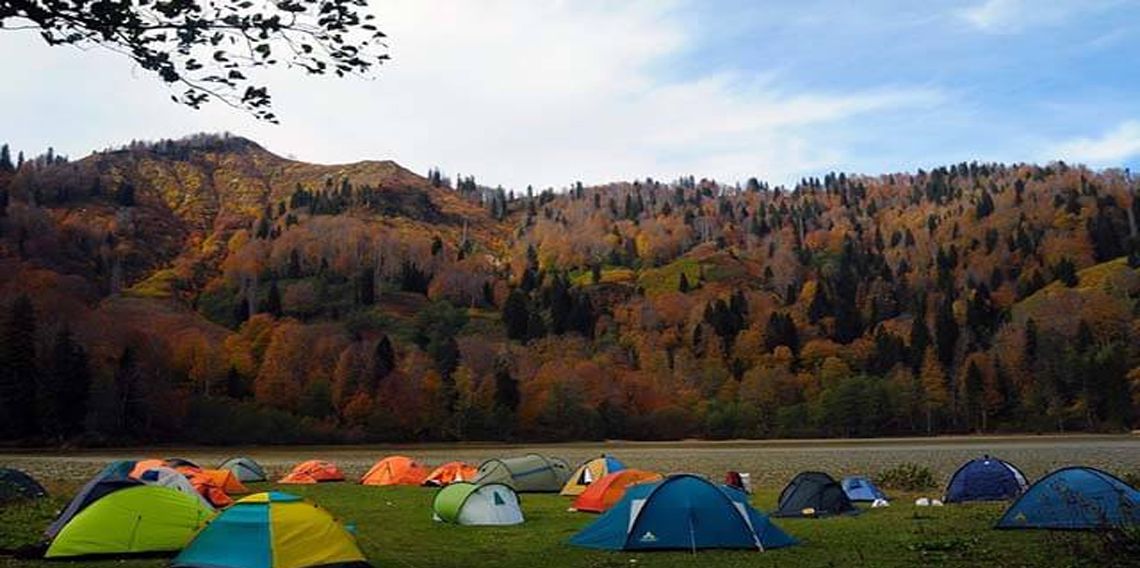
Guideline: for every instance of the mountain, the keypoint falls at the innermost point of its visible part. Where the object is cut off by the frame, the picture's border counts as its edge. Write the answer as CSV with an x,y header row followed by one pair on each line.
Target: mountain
x,y
207,290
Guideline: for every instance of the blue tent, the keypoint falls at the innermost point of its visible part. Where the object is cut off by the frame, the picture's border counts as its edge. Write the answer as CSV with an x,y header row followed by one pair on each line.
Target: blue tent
x,y
682,512
985,479
861,489
1076,498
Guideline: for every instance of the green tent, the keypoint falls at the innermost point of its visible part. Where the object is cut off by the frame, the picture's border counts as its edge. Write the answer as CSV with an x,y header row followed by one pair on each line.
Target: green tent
x,y
470,504
135,519
531,473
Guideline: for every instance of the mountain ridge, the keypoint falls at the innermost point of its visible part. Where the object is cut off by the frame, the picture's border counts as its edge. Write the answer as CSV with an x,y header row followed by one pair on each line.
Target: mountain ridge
x,y
363,301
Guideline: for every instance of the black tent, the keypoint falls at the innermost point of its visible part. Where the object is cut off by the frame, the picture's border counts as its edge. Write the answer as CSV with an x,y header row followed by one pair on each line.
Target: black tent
x,y
16,485
813,494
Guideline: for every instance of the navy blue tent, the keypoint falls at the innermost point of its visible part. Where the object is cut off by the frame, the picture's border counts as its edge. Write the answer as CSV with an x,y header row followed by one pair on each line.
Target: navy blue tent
x,y
861,489
1075,498
682,512
985,479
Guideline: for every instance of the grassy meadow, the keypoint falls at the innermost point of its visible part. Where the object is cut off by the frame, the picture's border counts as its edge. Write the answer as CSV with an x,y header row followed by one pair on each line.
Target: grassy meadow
x,y
394,525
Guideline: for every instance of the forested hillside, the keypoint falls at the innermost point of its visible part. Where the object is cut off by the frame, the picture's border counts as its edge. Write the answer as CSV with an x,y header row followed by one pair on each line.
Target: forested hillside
x,y
207,290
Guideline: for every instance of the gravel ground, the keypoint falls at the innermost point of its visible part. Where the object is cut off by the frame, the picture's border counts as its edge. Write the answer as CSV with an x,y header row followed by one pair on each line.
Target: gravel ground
x,y
771,463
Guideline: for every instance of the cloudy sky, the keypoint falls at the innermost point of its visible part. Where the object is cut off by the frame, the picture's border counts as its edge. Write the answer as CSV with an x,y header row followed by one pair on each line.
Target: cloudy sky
x,y
550,92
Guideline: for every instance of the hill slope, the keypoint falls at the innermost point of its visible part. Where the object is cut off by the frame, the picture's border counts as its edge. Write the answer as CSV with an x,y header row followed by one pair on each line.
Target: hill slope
x,y
210,282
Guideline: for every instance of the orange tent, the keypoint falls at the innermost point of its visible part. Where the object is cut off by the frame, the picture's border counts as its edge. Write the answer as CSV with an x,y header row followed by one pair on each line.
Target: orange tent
x,y
313,471
608,490
143,465
223,478
207,486
396,470
451,472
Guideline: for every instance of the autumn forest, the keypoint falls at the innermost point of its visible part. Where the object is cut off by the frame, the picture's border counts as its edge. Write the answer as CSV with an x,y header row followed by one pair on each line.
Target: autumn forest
x,y
206,290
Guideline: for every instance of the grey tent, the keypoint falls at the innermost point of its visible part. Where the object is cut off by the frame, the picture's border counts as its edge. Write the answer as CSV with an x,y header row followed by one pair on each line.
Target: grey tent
x,y
813,494
531,473
245,469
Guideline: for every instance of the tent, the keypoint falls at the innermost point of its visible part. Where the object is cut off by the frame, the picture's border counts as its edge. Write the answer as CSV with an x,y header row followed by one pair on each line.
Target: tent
x,y
16,485
985,479
466,503
166,477
313,471
245,469
607,491
272,530
145,465
682,512
1074,498
861,489
131,520
179,462
222,478
589,472
531,473
451,472
813,494
113,477
396,470
207,486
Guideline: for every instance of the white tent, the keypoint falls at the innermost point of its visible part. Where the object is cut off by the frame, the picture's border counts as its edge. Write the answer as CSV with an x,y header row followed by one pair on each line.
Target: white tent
x,y
166,477
470,504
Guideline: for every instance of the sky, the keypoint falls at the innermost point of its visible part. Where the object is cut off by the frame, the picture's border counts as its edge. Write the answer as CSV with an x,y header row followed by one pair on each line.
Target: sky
x,y
549,92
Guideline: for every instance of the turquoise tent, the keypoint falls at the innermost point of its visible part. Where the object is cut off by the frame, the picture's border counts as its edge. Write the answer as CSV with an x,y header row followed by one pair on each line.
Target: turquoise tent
x,y
682,512
1075,498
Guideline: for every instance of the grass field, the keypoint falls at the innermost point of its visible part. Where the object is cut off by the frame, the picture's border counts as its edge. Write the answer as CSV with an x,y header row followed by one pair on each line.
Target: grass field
x,y
395,528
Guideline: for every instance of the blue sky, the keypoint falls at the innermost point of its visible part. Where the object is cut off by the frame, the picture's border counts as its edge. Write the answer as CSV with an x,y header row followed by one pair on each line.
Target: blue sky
x,y
549,92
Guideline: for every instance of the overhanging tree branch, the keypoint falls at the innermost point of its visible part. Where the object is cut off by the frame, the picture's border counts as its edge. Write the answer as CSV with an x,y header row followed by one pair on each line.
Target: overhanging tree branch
x,y
205,45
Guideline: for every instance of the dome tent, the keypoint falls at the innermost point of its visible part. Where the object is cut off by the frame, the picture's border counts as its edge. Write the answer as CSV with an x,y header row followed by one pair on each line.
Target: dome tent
x,y
607,491
16,485
111,478
1074,498
396,470
166,477
861,489
985,479
451,472
470,504
131,520
272,530
245,469
590,472
682,512
313,471
813,494
531,473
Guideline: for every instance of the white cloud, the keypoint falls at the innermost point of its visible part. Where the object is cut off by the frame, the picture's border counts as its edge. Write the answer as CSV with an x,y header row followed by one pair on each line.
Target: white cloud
x,y
1013,16
513,92
1110,149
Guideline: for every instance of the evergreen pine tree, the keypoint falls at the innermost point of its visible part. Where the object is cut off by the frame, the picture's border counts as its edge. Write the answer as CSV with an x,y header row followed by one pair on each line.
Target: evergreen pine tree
x,y
273,300
516,315
64,388
19,375
946,332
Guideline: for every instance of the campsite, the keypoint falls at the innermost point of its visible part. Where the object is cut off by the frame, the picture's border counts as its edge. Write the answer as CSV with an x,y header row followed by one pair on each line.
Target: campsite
x,y
393,524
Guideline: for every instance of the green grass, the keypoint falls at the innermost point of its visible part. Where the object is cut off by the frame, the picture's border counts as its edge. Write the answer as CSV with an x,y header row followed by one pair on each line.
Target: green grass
x,y
668,278
395,529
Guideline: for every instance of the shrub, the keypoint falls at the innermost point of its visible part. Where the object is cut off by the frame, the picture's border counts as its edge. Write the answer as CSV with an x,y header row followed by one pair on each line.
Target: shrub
x,y
906,477
1132,478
